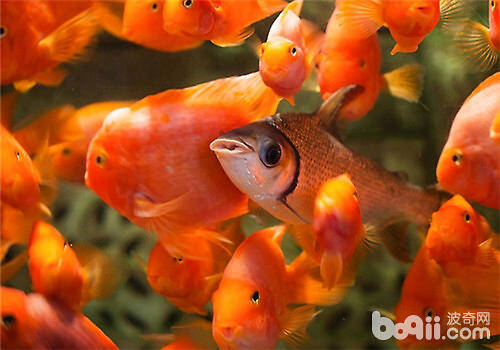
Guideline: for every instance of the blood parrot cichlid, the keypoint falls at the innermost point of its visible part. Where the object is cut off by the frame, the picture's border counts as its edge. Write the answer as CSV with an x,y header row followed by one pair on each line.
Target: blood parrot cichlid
x,y
33,321
34,42
286,58
282,161
252,303
470,160
346,58
187,282
152,162
224,22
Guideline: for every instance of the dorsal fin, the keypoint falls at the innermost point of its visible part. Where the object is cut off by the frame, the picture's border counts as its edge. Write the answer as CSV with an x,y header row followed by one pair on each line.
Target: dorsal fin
x,y
329,110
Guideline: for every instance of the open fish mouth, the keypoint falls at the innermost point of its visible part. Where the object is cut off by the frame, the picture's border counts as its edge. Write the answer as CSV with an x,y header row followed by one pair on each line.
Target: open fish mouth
x,y
230,146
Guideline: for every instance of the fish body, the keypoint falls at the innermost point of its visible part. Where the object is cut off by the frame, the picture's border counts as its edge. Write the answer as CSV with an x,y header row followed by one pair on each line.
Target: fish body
x,y
224,22
408,21
34,42
285,58
33,321
348,58
495,129
143,24
470,160
282,161
251,305
152,162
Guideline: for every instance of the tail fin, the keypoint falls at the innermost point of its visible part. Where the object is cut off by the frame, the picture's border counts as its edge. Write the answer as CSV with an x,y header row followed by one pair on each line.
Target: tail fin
x,y
68,42
294,323
306,286
406,82
361,16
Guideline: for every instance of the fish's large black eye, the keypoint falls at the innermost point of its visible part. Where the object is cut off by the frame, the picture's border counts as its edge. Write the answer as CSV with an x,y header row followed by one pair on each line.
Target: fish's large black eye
x,y
187,3
18,155
492,4
467,217
457,158
3,31
8,321
270,153
293,51
154,7
101,160
255,297
428,312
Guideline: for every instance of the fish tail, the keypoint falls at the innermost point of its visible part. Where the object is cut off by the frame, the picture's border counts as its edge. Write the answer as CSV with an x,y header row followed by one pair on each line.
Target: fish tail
x,y
406,82
306,286
294,323
473,40
69,42
361,16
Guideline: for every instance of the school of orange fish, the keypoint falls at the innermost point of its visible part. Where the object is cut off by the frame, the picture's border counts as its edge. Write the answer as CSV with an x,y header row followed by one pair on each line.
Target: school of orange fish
x,y
186,164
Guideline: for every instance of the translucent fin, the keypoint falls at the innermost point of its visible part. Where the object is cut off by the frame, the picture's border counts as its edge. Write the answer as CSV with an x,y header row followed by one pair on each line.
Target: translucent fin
x,y
24,85
234,40
290,100
143,264
48,181
329,110
216,238
452,12
393,236
100,274
361,16
145,208
331,269
110,18
304,236
51,77
406,82
68,42
294,323
473,40
10,268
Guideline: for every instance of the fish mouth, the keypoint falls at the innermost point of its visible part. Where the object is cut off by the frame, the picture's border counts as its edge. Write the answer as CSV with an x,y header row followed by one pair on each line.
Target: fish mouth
x,y
230,146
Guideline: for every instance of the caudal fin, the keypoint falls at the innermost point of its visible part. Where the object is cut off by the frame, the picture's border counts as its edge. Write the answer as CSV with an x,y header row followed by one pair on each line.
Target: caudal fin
x,y
406,82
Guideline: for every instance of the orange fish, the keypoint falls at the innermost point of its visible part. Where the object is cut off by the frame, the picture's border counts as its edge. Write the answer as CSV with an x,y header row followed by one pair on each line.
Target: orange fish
x,y
408,21
252,303
224,22
34,321
346,59
470,161
143,24
285,58
495,129
152,161
186,282
30,53
337,227
480,44
56,271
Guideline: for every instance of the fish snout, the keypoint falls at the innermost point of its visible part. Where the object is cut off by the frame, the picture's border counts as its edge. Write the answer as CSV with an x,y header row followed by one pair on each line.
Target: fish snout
x,y
224,145
229,334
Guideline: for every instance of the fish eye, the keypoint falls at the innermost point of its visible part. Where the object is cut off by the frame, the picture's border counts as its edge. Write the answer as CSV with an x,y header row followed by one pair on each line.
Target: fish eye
x,y
255,297
187,3
293,51
457,158
467,217
3,31
68,244
270,153
8,321
428,312
101,160
154,7
493,4
66,151
178,260
18,155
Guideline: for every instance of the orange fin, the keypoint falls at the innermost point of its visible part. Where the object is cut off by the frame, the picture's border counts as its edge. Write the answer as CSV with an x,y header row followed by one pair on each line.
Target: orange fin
x,y
145,208
69,42
48,181
51,77
313,38
473,40
406,82
361,16
271,6
24,85
294,323
109,15
304,236
331,269
235,40
10,268
290,100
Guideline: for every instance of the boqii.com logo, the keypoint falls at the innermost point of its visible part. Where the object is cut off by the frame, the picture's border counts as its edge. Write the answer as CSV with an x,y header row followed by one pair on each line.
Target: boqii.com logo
x,y
461,326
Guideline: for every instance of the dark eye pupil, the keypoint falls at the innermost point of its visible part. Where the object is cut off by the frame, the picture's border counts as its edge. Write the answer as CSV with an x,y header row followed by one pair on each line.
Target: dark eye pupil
x,y
154,6
188,3
273,155
255,297
18,156
8,320
98,159
2,31
66,151
178,260
467,217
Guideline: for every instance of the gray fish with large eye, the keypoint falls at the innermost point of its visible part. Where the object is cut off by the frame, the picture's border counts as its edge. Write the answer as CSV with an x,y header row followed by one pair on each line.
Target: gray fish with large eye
x,y
281,162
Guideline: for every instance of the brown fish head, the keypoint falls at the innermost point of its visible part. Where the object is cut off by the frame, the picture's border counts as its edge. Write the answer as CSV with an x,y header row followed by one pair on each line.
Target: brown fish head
x,y
262,162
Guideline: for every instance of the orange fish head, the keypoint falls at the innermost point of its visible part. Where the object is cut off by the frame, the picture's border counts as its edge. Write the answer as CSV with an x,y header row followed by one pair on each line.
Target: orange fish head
x,y
175,276
141,19
337,217
15,318
68,161
245,316
191,17
282,66
412,18
454,234
20,180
